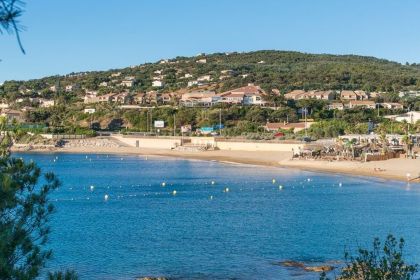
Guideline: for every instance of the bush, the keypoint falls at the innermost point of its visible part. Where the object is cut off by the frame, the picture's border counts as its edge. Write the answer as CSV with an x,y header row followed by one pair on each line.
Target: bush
x,y
382,263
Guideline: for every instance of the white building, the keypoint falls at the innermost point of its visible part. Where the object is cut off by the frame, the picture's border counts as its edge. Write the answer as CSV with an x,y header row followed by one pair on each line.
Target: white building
x,y
89,110
69,88
410,117
127,83
203,60
192,83
45,103
205,78
157,84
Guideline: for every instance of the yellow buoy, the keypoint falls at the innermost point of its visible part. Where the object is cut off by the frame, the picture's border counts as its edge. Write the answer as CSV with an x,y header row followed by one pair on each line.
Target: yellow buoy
x,y
274,181
174,192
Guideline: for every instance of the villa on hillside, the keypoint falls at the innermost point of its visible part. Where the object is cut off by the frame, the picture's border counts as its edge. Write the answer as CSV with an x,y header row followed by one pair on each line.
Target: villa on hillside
x,y
361,104
314,94
392,105
353,95
248,95
203,98
12,115
336,106
157,84
127,83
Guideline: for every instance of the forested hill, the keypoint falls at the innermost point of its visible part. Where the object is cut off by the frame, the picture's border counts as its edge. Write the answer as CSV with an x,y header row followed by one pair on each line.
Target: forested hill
x,y
282,70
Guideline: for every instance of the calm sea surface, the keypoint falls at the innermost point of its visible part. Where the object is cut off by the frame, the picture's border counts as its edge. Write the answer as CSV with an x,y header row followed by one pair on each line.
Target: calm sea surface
x,y
204,232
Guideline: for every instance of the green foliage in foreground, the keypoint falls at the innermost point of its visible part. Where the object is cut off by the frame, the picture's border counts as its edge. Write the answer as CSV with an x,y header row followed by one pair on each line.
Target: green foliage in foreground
x,y
383,262
24,214
25,211
68,275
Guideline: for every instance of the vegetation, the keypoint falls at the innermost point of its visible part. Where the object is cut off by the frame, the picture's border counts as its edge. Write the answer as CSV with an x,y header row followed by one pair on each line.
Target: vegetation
x,y
10,11
383,262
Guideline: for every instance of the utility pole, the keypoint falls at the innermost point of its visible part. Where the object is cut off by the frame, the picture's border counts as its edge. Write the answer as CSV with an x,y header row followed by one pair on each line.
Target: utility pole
x,y
151,120
174,125
147,121
220,122
306,112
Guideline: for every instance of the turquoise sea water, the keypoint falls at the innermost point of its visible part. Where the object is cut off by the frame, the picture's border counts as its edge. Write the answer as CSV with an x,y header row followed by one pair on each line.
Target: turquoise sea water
x,y
143,229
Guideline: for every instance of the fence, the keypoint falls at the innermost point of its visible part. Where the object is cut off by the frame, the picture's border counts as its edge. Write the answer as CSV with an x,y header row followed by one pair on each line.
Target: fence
x,y
67,136
382,157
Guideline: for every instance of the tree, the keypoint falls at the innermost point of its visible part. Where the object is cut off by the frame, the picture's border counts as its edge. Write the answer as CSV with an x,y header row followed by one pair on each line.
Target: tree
x,y
10,11
382,263
25,210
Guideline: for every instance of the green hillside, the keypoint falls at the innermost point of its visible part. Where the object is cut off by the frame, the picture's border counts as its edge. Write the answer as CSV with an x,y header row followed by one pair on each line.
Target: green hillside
x,y
269,69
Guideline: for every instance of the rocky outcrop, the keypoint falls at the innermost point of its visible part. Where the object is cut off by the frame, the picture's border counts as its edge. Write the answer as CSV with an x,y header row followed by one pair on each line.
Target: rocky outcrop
x,y
152,278
306,267
320,268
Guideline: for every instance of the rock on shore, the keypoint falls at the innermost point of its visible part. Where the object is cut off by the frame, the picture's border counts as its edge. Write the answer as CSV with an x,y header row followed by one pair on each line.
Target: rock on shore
x,y
301,265
152,278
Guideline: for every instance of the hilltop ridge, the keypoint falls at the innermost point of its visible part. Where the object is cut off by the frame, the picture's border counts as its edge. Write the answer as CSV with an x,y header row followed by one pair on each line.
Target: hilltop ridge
x,y
284,70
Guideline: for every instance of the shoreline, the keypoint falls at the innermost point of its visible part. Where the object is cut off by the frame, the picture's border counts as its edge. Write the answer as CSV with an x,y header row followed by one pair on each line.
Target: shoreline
x,y
393,169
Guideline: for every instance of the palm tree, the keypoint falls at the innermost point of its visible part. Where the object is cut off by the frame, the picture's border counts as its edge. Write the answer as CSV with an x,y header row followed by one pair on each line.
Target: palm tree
x,y
406,139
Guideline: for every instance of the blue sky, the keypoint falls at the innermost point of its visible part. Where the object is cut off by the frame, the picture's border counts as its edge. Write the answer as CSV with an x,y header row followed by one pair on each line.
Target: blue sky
x,y
64,36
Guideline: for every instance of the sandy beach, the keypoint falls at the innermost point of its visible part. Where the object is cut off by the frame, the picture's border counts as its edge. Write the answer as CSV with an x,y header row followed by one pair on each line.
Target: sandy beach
x,y
395,169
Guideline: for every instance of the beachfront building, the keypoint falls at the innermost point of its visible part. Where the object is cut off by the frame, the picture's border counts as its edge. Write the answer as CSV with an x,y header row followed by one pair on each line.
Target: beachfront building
x,y
294,127
409,117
